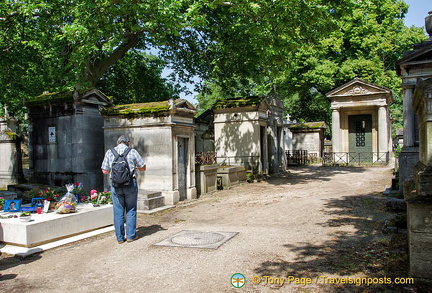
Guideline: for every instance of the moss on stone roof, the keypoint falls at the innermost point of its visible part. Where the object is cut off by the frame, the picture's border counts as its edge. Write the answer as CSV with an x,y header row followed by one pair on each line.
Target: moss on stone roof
x,y
309,125
138,108
65,96
237,102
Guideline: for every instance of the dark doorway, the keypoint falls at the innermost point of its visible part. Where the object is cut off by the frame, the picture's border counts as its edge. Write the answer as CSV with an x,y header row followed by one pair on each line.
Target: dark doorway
x,y
182,167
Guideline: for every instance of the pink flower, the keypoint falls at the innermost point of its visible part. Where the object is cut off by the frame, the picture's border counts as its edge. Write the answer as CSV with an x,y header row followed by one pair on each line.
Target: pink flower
x,y
93,196
103,198
93,191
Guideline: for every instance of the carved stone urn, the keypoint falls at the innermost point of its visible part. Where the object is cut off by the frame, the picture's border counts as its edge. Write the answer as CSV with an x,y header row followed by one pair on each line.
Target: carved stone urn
x,y
428,24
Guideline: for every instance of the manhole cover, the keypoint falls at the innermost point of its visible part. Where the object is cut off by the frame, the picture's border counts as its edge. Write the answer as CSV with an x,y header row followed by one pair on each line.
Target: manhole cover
x,y
198,239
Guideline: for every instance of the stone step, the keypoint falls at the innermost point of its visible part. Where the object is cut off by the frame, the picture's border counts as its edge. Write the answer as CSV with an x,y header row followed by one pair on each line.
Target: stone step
x,y
20,189
150,200
6,194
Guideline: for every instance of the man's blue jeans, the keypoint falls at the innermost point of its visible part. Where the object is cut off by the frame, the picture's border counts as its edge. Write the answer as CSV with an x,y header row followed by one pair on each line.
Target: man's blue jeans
x,y
125,202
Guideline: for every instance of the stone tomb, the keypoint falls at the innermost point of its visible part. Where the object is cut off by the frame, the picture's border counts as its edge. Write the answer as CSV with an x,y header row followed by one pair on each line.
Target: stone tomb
x,y
248,132
66,138
418,193
163,133
415,66
361,121
48,227
308,136
10,153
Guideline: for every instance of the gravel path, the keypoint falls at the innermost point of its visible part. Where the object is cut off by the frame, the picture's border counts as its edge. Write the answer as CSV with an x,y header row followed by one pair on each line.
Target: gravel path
x,y
301,224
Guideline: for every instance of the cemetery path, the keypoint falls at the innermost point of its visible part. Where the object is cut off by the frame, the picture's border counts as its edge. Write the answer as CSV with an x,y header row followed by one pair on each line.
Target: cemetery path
x,y
310,224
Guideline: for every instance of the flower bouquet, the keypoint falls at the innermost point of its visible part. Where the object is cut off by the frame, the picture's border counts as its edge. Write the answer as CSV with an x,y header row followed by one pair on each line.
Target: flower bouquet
x,y
77,190
50,195
98,198
67,204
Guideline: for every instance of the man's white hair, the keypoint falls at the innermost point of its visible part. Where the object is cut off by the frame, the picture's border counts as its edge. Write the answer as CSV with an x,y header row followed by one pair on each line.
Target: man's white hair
x,y
123,139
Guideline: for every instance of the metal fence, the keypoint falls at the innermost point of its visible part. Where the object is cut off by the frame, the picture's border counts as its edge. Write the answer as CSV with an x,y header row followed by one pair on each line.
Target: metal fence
x,y
210,158
296,157
361,159
249,162
205,158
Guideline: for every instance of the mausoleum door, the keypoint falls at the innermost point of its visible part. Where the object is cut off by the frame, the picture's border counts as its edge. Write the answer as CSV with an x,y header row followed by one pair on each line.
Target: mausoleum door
x,y
360,138
182,167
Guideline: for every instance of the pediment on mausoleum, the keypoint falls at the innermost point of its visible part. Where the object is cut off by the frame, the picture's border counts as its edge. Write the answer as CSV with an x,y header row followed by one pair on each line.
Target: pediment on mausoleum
x,y
183,104
360,88
421,56
92,96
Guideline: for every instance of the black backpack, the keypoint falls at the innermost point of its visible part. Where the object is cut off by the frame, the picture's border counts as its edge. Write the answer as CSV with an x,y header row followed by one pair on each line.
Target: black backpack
x,y
121,175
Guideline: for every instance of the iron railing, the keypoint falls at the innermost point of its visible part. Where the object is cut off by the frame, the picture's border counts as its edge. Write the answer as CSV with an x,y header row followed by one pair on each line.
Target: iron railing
x,y
205,158
249,162
296,157
347,158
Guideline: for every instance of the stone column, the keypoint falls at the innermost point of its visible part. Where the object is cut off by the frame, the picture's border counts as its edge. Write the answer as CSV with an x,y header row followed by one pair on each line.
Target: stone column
x,y
336,130
408,118
382,130
409,155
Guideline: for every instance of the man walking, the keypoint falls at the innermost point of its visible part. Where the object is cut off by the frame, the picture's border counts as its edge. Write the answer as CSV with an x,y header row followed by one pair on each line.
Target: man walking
x,y
124,196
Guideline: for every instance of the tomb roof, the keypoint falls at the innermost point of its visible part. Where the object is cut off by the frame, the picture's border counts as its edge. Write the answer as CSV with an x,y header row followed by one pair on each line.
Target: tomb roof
x,y
238,102
91,96
421,55
148,108
309,125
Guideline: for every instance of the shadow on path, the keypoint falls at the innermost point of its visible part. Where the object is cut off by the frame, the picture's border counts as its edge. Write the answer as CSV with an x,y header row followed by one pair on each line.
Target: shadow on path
x,y
303,175
366,252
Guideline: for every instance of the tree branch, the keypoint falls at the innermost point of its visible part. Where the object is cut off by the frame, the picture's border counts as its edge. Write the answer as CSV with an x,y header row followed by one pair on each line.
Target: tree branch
x,y
95,70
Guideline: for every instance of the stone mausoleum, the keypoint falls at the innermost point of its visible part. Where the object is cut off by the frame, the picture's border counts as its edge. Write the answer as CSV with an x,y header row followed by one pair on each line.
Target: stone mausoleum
x,y
163,133
66,139
415,68
10,152
248,132
361,128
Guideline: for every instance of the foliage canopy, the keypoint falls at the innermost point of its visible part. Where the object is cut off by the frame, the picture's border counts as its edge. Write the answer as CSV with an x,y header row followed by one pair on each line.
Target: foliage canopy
x,y
298,49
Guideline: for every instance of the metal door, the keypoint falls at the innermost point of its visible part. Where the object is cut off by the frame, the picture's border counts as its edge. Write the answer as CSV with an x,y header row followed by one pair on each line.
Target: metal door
x,y
360,138
182,167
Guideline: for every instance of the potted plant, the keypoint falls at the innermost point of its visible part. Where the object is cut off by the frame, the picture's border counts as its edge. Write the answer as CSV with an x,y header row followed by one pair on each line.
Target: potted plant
x,y
25,216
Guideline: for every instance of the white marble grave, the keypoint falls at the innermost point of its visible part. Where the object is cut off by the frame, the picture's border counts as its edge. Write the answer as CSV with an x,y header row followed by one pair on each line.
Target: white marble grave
x,y
48,227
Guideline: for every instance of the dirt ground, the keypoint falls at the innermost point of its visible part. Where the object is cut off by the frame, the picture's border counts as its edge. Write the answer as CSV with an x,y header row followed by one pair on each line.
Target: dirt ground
x,y
315,224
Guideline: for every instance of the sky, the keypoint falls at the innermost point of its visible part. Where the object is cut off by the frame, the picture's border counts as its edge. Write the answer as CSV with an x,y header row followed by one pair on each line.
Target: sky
x,y
417,12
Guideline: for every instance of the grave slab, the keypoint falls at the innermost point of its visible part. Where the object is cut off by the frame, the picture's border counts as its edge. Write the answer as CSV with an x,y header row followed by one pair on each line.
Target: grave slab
x,y
48,227
26,251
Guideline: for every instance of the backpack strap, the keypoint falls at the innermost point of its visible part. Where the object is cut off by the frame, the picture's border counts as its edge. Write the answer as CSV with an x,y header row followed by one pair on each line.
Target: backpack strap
x,y
126,152
116,155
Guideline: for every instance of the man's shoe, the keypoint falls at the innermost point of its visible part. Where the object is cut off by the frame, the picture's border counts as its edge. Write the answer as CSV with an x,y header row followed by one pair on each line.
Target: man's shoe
x,y
121,241
133,239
